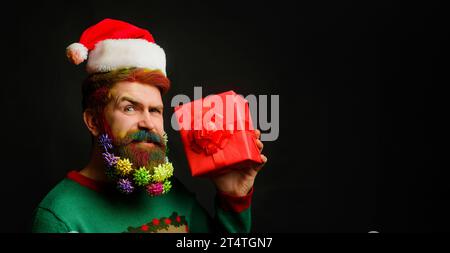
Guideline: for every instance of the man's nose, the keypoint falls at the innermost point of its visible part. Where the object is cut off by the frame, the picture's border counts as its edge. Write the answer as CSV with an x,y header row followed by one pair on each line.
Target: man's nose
x,y
146,122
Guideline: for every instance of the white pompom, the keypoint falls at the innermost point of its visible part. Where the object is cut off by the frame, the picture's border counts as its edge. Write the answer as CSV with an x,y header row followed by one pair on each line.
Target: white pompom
x,y
77,53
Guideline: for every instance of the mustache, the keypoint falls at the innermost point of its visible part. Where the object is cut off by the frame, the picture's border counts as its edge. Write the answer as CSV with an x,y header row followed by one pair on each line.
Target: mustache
x,y
144,136
143,157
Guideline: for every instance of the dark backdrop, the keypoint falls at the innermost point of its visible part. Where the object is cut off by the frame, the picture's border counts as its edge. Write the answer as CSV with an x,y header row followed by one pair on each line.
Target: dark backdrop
x,y
363,139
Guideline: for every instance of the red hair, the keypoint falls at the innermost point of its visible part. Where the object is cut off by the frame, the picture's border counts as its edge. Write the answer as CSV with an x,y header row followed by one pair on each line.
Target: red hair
x,y
96,86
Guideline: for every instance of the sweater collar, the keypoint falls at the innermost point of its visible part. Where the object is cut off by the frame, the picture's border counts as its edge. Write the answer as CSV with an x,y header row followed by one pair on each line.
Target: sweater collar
x,y
87,182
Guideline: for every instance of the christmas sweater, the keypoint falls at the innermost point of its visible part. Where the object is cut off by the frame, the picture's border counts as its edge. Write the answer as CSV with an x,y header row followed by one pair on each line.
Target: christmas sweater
x,y
80,204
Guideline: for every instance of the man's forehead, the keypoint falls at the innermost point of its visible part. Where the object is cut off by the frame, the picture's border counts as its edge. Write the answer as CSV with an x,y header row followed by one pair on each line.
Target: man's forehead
x,y
136,92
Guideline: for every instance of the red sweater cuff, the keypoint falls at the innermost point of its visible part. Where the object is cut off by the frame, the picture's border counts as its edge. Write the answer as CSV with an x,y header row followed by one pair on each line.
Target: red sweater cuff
x,y
233,203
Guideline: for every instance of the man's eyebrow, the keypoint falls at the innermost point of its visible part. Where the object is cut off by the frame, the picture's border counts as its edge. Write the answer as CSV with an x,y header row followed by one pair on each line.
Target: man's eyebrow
x,y
159,107
135,102
125,98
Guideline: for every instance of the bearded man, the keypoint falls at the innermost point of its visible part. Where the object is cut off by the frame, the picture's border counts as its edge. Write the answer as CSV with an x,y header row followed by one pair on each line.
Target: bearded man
x,y
128,184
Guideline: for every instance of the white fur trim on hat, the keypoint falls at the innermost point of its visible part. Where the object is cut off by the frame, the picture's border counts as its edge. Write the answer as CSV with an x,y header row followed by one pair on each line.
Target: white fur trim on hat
x,y
114,54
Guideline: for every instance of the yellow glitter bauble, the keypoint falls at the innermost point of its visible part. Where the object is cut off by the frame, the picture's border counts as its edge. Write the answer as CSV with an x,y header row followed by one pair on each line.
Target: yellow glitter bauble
x,y
162,172
124,167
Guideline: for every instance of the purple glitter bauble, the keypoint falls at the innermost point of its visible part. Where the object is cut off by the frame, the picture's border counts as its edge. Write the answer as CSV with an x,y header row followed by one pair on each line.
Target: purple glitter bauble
x,y
155,189
125,186
110,159
105,141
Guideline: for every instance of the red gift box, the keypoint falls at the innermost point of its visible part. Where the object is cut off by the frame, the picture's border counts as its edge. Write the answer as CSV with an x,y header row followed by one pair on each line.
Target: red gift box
x,y
218,134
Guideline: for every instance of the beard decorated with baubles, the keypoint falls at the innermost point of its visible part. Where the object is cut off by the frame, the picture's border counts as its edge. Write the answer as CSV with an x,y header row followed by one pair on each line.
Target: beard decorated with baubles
x,y
138,162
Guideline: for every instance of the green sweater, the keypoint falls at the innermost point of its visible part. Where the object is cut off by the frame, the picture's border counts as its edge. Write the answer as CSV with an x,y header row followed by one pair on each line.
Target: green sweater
x,y
79,204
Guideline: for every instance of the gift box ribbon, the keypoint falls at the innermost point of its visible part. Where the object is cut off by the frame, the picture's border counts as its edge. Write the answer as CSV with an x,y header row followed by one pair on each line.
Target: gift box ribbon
x,y
209,139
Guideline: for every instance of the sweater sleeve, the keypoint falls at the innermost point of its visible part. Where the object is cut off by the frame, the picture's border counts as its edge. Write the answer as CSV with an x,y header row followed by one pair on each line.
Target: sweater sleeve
x,y
45,221
233,214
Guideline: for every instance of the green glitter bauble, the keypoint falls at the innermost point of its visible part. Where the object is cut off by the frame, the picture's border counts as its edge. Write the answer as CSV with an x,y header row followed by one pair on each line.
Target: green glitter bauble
x,y
141,176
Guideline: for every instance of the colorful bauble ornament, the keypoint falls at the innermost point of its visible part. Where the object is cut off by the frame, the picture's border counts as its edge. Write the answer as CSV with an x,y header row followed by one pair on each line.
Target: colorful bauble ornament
x,y
167,186
124,167
155,189
162,172
125,186
142,176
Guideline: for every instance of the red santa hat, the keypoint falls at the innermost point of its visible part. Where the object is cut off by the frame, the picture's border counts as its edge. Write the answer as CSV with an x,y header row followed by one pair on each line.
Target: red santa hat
x,y
114,44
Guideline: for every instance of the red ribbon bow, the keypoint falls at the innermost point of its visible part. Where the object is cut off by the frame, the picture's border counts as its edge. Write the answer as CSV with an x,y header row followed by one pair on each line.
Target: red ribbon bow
x,y
209,140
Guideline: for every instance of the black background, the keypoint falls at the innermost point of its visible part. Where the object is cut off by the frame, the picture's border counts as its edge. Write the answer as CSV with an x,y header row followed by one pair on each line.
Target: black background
x,y
363,139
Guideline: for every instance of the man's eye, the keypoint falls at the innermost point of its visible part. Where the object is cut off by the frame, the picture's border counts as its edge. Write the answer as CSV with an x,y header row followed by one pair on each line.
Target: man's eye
x,y
129,108
155,110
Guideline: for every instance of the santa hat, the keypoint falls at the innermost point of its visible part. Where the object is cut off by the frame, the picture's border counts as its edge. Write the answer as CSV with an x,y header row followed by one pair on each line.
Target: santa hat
x,y
114,44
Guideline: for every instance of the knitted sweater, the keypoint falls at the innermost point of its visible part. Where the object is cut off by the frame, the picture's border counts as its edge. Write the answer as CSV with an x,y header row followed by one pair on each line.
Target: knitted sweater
x,y
80,204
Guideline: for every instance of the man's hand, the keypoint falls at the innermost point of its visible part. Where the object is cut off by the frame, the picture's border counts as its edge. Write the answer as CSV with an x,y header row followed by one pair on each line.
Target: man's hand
x,y
239,182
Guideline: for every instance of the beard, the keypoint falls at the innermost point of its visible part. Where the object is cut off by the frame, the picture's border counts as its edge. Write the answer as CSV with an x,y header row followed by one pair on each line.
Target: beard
x,y
137,160
140,155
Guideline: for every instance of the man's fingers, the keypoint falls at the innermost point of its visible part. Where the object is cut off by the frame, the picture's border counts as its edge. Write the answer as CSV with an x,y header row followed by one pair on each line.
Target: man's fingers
x,y
264,160
260,145
258,133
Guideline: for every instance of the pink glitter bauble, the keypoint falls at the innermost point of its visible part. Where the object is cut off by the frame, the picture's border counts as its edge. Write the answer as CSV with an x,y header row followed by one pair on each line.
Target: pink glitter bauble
x,y
155,189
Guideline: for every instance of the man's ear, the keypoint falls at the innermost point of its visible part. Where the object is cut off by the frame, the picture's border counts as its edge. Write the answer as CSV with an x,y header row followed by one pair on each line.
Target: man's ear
x,y
91,122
